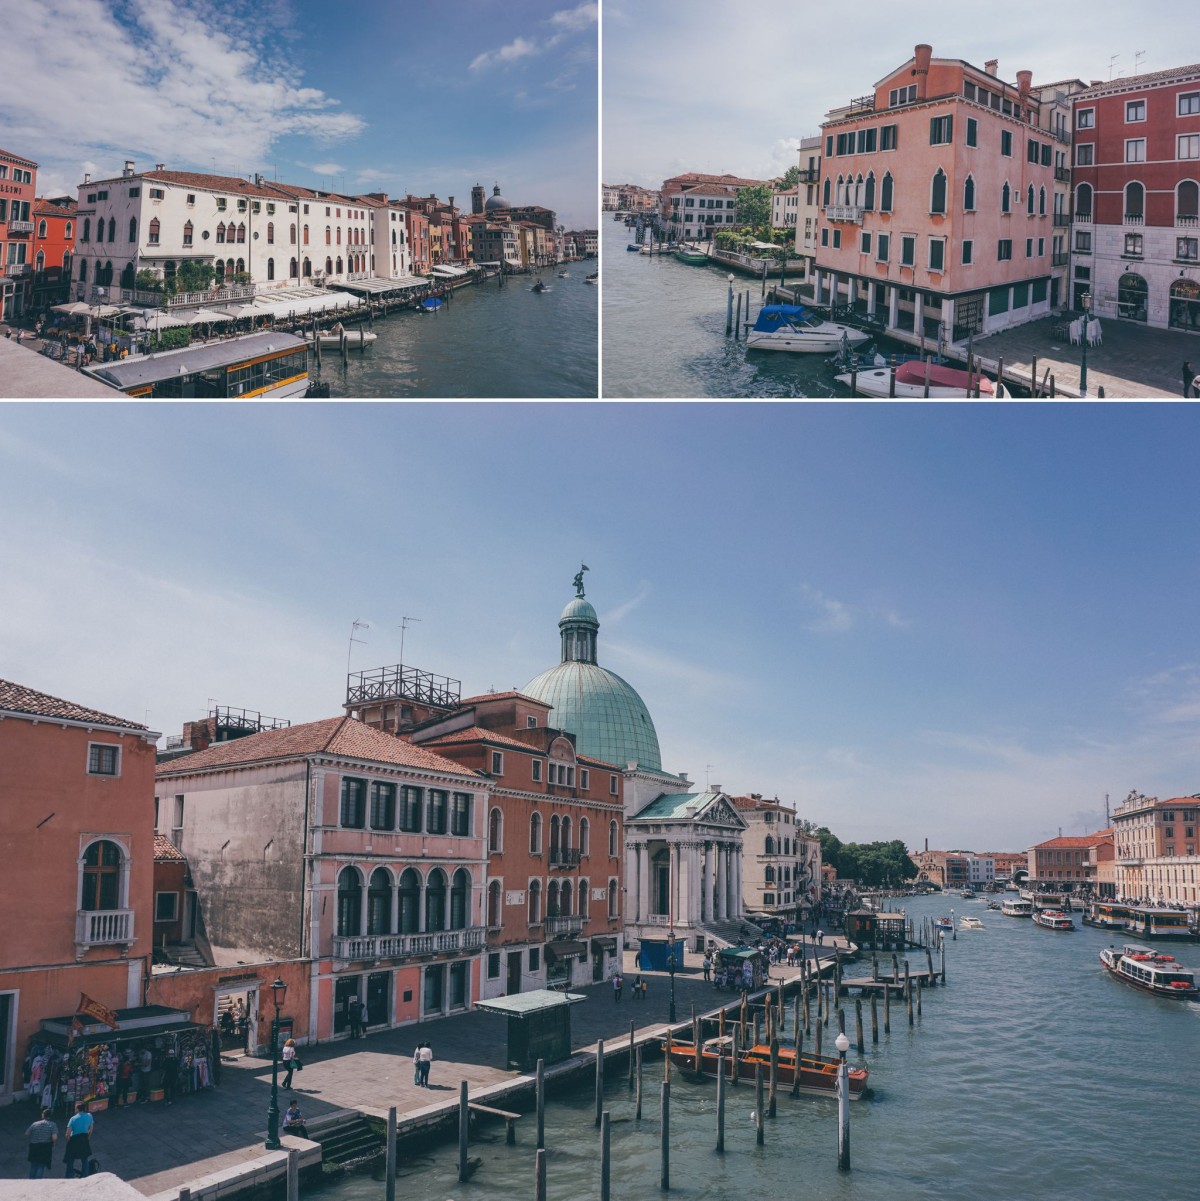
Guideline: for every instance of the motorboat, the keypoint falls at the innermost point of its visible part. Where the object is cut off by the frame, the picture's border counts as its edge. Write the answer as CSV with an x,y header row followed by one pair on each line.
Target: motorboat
x,y
692,255
539,286
792,327
564,275
818,1073
943,923
1053,919
594,278
431,304
354,337
970,923
994,905
634,246
945,383
968,894
1150,971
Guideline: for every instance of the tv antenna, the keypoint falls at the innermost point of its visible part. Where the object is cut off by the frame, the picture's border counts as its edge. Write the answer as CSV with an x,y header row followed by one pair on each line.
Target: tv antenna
x,y
1138,55
1112,62
355,626
404,626
707,769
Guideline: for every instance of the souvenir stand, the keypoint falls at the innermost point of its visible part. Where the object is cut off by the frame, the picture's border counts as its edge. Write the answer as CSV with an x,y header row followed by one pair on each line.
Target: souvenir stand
x,y
62,1068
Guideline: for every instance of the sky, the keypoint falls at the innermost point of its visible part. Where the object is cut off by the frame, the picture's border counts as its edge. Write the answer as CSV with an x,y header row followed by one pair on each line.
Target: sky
x,y
966,624
382,95
714,87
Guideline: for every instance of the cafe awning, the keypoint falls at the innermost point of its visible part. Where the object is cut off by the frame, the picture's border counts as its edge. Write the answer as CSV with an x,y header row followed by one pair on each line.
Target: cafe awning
x,y
604,943
565,948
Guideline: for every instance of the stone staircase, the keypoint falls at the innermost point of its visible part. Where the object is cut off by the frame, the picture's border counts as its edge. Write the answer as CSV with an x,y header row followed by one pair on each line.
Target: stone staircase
x,y
345,1136
181,954
731,933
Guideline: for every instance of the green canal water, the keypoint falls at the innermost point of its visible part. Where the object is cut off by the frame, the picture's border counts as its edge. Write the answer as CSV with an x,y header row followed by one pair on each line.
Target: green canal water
x,y
487,342
1031,1075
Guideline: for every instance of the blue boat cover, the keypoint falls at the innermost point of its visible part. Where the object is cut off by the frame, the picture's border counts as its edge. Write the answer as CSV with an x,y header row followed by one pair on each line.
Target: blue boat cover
x,y
772,316
432,303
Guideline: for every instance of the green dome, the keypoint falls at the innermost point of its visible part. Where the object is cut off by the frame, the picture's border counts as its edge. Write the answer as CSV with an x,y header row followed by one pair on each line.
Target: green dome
x,y
608,718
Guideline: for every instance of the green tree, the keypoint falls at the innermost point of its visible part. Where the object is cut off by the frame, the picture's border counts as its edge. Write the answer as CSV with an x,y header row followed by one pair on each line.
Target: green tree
x,y
193,276
791,177
754,205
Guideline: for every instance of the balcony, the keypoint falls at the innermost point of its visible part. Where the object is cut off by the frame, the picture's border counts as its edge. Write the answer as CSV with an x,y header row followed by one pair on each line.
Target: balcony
x,y
844,212
809,175
564,857
1135,219
1064,219
182,300
1080,219
561,923
103,928
16,268
1062,174
20,227
1060,260
1127,861
403,946
1186,222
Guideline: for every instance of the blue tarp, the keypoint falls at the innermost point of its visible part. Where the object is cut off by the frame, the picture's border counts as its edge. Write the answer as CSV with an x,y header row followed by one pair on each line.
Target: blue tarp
x,y
772,316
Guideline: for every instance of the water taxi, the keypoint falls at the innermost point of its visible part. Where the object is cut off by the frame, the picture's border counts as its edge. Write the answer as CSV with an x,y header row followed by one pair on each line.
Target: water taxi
x,y
794,328
943,923
1018,908
1149,971
970,923
1157,921
272,364
1053,919
1107,916
818,1073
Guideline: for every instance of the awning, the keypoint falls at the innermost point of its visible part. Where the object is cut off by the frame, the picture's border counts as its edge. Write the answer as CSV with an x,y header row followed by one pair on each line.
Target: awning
x,y
604,944
525,1004
565,948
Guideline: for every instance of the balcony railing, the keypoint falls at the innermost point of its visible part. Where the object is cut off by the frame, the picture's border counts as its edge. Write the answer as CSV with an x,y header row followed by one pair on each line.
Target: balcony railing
x,y
402,946
563,923
844,212
182,300
1060,260
564,857
1062,174
1135,219
103,927
1064,219
16,269
658,919
1081,219
1189,222
20,227
809,175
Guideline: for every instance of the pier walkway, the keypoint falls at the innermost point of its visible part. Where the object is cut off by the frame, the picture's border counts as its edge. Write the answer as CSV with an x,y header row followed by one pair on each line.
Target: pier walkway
x,y
220,1132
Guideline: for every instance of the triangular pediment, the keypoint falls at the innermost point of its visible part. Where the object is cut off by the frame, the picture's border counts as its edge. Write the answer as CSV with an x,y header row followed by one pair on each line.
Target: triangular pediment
x,y
720,811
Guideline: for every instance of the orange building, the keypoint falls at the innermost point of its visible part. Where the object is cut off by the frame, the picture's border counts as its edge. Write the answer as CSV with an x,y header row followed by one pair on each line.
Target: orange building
x,y
77,827
1071,863
53,249
555,843
937,201
18,190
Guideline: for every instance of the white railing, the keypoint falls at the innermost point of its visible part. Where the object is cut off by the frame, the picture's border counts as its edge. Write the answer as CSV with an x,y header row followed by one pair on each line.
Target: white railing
x,y
844,212
16,269
401,946
102,927
561,923
20,227
190,300
658,919
1135,219
1186,222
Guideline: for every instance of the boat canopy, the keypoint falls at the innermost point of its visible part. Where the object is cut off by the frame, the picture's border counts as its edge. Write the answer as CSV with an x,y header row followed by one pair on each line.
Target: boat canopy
x,y
773,316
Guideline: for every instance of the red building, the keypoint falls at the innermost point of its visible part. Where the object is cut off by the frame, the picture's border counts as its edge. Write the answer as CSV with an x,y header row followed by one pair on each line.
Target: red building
x,y
53,249
417,225
18,189
1137,198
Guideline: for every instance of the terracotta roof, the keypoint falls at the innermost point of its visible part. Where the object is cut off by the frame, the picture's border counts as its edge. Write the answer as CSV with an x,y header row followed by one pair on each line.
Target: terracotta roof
x,y
166,850
598,763
59,206
696,177
1085,840
479,734
331,736
758,802
16,698
1128,83
501,696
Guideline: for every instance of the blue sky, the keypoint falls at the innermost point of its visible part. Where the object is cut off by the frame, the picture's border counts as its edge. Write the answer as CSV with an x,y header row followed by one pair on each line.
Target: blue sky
x,y
380,95
960,623
719,87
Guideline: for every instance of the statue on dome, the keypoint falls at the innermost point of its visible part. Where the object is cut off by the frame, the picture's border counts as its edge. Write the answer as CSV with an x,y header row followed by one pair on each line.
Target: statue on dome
x,y
578,581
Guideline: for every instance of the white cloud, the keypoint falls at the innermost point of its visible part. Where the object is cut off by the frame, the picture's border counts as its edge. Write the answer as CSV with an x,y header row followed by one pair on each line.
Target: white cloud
x,y
615,616
563,24
517,48
574,19
326,168
833,616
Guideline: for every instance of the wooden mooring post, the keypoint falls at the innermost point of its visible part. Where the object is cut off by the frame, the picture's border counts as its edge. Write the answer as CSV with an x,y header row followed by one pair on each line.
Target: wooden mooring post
x,y
796,1073
733,1058
697,1043
664,1136
759,1102
600,1078
632,1037
539,1175
773,1086
637,1113
908,998
605,1158
541,1104
942,957
293,1174
721,1101
858,1025
464,1131
887,1007
390,1176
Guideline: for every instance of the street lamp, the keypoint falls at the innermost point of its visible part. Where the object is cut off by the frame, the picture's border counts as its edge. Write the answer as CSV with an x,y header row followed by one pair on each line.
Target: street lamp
x,y
278,995
671,970
843,1045
1086,301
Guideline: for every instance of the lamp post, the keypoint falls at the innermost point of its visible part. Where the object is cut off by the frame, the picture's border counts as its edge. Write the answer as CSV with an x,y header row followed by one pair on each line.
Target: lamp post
x,y
1086,301
843,1045
671,970
278,995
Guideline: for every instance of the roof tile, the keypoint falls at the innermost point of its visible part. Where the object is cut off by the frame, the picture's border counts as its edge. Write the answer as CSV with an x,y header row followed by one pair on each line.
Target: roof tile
x,y
16,698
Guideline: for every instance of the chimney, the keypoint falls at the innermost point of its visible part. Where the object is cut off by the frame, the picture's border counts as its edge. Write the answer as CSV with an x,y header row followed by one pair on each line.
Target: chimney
x,y
992,66
1024,83
128,168
921,56
257,179
160,166
87,177
451,201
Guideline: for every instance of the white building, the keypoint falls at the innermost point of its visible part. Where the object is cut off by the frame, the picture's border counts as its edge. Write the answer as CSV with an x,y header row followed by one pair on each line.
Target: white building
x,y
784,208
781,863
981,871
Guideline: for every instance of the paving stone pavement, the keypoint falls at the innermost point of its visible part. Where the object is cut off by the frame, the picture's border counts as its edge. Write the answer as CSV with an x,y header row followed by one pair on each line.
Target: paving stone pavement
x,y
156,1146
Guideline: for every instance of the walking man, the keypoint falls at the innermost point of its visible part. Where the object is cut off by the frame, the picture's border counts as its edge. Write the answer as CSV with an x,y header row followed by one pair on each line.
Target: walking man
x,y
618,983
426,1063
170,1080
1188,376
145,1067
42,1136
707,966
79,1140
354,1012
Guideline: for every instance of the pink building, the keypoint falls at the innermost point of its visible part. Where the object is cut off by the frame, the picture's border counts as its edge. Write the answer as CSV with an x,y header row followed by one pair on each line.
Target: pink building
x,y
340,844
937,201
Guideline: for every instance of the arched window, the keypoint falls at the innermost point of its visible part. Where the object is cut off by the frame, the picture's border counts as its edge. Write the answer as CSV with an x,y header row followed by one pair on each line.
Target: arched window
x,y
379,902
42,228
349,903
339,264
535,834
102,863
1132,295
188,230
68,229
1041,202
554,837
328,266
339,235
824,197
229,266
435,900
393,237
307,268
552,899
241,267
99,230
112,229
494,908
306,235
614,848
566,898
1185,305
66,263
869,193
839,191
39,263
270,268
292,238
83,270
328,236
937,192
1083,201
1006,198
612,898
582,900
460,900
566,834
241,231
1187,201
293,269
410,902
585,835
1029,201
1135,202
155,230
133,229
885,193
769,846
86,236
495,832
270,233
535,902
221,232
769,873
127,276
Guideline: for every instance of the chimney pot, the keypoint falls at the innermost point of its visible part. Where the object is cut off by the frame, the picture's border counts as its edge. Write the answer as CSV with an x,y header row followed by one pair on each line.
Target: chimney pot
x,y
87,177
921,56
159,166
129,166
992,66
1024,83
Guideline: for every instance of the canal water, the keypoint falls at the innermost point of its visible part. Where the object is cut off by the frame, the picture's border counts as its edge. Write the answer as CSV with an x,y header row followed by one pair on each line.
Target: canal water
x,y
1032,1074
488,341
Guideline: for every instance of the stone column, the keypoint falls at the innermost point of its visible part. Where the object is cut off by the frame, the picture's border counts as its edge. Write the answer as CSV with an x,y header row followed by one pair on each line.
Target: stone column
x,y
893,305
738,899
918,314
704,877
644,881
721,894
696,875
948,318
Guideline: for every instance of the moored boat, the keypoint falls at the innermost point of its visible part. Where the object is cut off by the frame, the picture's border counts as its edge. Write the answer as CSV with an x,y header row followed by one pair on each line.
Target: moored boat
x,y
792,327
1053,919
691,255
1150,971
634,246
354,337
1157,921
1106,915
943,923
818,1073
1017,908
945,383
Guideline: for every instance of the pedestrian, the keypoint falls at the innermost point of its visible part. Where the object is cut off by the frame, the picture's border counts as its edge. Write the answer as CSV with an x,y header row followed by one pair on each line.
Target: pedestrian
x,y
1188,374
417,1065
42,1136
637,987
289,1057
354,1012
170,1080
643,990
426,1063
79,1140
145,1067
124,1080
20,335
820,938
293,1120
618,984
